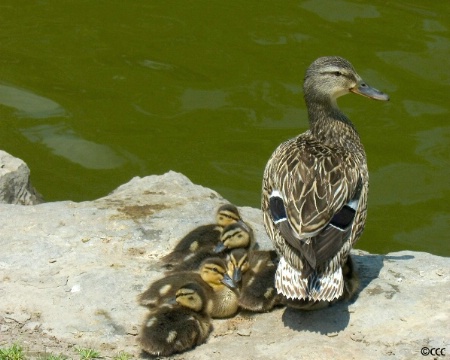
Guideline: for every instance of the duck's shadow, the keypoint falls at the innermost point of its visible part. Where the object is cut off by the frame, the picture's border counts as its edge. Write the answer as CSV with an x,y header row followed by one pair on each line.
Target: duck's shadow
x,y
324,321
336,318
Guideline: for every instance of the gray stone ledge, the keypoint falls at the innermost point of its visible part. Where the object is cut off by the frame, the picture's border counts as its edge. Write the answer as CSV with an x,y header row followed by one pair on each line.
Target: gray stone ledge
x,y
70,272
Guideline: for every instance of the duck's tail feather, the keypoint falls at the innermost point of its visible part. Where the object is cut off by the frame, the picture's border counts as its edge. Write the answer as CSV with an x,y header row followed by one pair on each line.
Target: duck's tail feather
x,y
316,287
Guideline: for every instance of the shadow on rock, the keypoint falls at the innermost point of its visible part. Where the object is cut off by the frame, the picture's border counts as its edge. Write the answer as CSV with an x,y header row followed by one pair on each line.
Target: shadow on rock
x,y
368,268
326,321
335,318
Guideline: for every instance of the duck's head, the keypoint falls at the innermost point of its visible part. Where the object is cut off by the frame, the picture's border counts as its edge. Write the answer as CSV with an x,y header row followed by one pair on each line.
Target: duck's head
x,y
191,296
237,235
330,77
227,214
237,264
214,272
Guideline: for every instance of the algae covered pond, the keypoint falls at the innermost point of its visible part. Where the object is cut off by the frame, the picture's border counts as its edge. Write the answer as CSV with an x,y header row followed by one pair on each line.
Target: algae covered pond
x,y
94,93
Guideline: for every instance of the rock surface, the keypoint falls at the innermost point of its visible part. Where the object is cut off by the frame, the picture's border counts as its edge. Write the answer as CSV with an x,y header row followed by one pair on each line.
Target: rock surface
x,y
15,185
70,273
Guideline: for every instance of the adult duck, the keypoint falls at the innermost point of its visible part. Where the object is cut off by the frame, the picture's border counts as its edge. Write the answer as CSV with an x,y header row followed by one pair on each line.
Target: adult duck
x,y
314,196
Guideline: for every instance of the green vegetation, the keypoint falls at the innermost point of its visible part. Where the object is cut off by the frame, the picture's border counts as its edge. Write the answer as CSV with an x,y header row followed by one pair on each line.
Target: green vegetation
x,y
87,354
16,352
123,356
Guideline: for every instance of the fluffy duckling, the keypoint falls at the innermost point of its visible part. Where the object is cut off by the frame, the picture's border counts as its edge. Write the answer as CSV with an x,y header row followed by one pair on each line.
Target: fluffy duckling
x,y
255,271
179,325
237,235
203,238
351,280
212,277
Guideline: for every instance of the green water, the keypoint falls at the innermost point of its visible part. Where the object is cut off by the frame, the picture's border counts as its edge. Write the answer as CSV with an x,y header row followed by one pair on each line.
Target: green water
x,y
93,93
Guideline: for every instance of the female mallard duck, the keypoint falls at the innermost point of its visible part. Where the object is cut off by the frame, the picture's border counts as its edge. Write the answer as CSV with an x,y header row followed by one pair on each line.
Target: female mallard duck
x,y
212,277
314,195
179,325
237,235
203,238
254,271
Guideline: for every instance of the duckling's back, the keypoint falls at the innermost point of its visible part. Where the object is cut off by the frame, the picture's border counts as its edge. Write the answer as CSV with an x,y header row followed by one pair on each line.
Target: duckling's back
x,y
258,292
171,329
201,239
165,288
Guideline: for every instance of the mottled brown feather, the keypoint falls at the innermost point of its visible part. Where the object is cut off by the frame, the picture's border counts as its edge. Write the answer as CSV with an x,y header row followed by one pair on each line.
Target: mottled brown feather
x,y
316,174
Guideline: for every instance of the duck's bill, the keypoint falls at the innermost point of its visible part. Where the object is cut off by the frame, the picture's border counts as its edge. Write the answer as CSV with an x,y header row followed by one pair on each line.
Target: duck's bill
x,y
227,281
370,92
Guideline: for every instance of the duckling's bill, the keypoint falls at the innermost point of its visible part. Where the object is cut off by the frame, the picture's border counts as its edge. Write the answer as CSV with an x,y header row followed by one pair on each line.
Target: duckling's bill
x,y
171,300
228,281
220,247
237,275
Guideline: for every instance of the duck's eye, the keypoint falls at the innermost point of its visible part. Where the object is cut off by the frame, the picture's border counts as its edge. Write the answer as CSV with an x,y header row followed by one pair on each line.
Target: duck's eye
x,y
337,73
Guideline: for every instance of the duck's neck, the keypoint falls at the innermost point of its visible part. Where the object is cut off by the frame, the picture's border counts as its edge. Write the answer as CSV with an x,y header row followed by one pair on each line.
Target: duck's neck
x,y
330,126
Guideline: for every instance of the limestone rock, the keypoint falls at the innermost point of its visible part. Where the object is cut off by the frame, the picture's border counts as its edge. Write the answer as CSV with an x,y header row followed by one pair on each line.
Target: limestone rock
x,y
75,270
15,185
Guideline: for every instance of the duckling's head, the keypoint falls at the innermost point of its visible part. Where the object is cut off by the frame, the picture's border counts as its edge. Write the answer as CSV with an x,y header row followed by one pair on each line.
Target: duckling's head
x,y
237,264
191,296
214,272
227,214
330,77
237,235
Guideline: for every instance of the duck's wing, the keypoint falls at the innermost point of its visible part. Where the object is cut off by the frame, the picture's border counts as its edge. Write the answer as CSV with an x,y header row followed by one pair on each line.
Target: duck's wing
x,y
312,197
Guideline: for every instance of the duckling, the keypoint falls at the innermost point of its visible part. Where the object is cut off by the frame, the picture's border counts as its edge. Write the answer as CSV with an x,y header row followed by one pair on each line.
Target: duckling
x,y
237,235
203,238
179,325
212,277
315,186
237,265
351,280
255,271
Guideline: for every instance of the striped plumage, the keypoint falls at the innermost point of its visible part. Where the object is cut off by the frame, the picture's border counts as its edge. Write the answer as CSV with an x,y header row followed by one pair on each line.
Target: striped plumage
x,y
234,236
203,238
179,324
254,273
212,277
314,196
